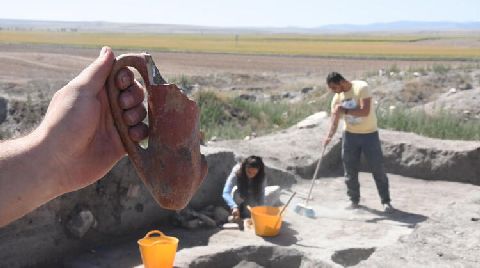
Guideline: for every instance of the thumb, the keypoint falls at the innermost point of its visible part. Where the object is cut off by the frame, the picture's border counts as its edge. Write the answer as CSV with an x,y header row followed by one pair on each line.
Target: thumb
x,y
93,77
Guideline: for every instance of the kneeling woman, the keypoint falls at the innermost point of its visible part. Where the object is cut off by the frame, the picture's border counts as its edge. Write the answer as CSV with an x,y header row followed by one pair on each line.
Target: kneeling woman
x,y
245,186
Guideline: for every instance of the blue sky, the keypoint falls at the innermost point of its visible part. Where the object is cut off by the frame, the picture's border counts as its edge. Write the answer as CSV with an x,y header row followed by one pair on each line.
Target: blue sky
x,y
230,13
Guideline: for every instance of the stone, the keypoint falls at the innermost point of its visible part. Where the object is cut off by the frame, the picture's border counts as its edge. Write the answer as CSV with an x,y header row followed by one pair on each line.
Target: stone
x,y
220,215
192,224
80,223
3,109
210,208
207,221
288,95
220,163
247,264
189,213
247,97
312,120
465,86
230,226
178,220
305,90
275,97
272,195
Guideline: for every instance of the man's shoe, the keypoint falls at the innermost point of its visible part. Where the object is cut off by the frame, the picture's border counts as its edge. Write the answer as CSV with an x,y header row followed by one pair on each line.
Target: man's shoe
x,y
387,208
353,205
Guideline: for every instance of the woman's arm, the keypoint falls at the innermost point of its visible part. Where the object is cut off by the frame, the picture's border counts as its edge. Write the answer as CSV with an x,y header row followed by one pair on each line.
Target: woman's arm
x,y
229,184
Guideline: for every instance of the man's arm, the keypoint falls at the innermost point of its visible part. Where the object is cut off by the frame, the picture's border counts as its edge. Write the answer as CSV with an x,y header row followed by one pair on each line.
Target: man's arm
x,y
75,144
335,118
362,110
28,176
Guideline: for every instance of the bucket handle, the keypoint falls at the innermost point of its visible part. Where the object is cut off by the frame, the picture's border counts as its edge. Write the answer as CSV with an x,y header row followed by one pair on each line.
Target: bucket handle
x,y
154,232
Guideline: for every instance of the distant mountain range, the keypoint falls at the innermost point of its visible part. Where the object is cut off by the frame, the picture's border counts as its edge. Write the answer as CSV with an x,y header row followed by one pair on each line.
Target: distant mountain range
x,y
399,26
405,26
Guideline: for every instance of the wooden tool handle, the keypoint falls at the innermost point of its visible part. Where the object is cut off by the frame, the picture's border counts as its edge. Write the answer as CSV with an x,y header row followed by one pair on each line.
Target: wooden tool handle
x,y
288,202
314,178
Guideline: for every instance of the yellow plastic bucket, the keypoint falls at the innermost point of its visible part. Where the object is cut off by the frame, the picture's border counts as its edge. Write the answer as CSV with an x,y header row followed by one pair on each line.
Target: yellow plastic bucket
x,y
267,220
158,251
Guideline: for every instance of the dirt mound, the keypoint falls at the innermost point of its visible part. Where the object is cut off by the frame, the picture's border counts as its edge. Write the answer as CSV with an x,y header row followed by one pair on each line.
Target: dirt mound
x,y
298,149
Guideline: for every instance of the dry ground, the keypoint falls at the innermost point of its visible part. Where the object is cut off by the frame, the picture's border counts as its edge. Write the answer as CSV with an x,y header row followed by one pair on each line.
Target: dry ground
x,y
335,228
53,62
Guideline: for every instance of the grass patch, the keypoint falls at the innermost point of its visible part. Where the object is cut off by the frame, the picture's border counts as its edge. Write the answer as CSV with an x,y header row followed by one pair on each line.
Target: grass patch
x,y
442,125
441,69
183,81
233,118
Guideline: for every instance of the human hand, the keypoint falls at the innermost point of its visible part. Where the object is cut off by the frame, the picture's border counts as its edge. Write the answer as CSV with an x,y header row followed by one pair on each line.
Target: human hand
x,y
78,126
338,108
326,141
235,213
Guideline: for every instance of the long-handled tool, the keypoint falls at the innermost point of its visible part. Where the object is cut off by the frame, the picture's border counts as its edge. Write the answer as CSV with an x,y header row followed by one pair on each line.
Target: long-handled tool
x,y
304,209
283,209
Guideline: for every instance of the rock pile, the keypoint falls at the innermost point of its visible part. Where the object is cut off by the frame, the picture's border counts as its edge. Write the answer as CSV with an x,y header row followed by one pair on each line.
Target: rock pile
x,y
209,217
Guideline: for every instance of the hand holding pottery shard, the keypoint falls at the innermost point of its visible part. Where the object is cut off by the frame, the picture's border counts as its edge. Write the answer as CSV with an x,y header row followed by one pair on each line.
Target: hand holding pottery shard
x,y
172,167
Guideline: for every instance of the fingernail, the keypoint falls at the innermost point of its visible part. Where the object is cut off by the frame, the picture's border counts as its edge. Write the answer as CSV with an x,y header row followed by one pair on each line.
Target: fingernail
x,y
103,51
125,80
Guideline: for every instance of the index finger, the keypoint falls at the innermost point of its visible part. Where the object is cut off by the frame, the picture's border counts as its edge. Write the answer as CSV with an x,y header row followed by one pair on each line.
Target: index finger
x,y
124,78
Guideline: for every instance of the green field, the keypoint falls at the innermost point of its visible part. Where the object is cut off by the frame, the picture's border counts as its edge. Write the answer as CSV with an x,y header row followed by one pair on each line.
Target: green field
x,y
400,46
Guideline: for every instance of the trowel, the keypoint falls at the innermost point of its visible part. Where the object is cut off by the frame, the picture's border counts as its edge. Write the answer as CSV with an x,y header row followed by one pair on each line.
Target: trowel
x,y
171,167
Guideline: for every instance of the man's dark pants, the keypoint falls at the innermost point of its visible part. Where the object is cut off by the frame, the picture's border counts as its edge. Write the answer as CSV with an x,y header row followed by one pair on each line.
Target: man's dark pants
x,y
353,145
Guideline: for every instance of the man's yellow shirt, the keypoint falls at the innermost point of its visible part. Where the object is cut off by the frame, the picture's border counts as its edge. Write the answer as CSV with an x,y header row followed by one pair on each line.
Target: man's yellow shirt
x,y
354,124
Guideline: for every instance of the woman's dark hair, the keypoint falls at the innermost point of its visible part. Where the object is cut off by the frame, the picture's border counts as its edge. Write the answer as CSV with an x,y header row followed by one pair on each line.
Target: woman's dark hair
x,y
257,182
334,78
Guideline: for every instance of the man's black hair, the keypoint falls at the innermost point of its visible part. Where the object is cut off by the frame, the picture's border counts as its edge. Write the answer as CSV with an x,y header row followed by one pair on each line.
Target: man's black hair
x,y
334,78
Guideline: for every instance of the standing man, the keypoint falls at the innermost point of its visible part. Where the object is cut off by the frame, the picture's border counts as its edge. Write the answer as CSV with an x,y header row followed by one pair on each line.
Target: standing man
x,y
353,102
